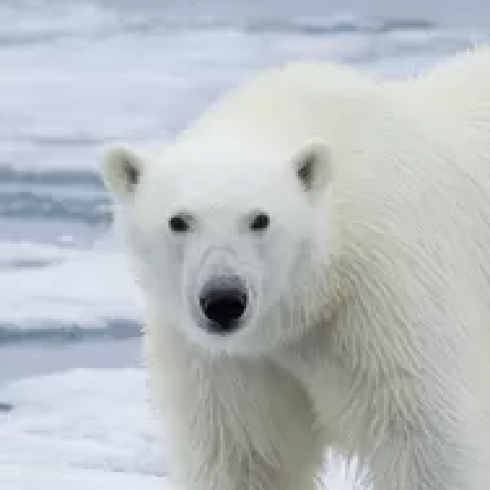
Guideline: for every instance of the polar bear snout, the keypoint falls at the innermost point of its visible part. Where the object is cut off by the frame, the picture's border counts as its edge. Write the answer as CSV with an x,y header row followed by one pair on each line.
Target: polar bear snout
x,y
223,302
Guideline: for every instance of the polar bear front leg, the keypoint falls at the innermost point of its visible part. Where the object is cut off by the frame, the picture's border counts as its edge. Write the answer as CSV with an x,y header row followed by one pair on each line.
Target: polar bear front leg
x,y
425,454
419,464
236,425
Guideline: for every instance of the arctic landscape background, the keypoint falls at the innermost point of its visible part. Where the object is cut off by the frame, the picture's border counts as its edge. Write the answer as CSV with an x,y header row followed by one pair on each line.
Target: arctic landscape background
x,y
76,76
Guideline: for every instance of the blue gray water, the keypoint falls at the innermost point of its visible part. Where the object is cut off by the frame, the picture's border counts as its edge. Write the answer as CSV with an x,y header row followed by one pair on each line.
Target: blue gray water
x,y
77,76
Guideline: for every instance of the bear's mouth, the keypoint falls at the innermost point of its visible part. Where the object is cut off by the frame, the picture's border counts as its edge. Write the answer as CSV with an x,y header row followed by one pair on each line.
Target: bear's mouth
x,y
223,304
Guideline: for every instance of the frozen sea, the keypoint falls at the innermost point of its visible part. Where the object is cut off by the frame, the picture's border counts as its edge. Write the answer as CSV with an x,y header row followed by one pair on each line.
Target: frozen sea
x,y
76,76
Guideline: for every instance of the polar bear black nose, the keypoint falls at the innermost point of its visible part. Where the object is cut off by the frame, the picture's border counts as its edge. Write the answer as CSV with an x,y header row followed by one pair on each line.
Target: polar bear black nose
x,y
223,302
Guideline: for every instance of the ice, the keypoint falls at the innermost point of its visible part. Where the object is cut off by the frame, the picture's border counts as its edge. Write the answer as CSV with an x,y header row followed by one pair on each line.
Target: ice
x,y
79,428
91,426
84,418
18,477
104,74
47,287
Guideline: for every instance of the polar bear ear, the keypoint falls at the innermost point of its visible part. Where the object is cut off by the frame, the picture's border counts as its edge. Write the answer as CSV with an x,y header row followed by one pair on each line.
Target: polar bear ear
x,y
313,165
122,168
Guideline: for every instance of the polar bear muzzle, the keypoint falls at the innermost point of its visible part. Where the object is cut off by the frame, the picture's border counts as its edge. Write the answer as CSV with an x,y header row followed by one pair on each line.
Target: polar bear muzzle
x,y
223,302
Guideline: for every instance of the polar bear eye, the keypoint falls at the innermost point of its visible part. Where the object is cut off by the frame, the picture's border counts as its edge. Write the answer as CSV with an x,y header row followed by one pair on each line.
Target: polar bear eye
x,y
179,223
259,222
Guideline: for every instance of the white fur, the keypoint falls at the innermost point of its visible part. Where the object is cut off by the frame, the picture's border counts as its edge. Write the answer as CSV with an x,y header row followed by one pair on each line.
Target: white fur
x,y
369,328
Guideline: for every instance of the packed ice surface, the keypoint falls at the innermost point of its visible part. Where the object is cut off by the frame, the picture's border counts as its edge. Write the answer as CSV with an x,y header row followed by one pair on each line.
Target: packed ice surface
x,y
15,477
77,430
95,419
45,288
77,76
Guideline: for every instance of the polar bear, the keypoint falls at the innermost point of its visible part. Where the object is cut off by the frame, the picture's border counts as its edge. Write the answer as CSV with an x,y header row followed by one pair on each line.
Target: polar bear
x,y
314,256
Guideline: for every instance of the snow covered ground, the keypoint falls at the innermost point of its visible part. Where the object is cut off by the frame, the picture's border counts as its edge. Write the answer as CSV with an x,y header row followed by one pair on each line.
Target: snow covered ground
x,y
78,75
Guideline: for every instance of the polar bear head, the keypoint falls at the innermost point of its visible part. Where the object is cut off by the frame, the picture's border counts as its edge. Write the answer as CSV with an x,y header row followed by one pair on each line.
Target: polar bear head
x,y
228,238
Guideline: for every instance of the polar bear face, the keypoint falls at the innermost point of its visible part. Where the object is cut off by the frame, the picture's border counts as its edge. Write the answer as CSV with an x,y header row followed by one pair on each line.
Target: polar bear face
x,y
224,247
